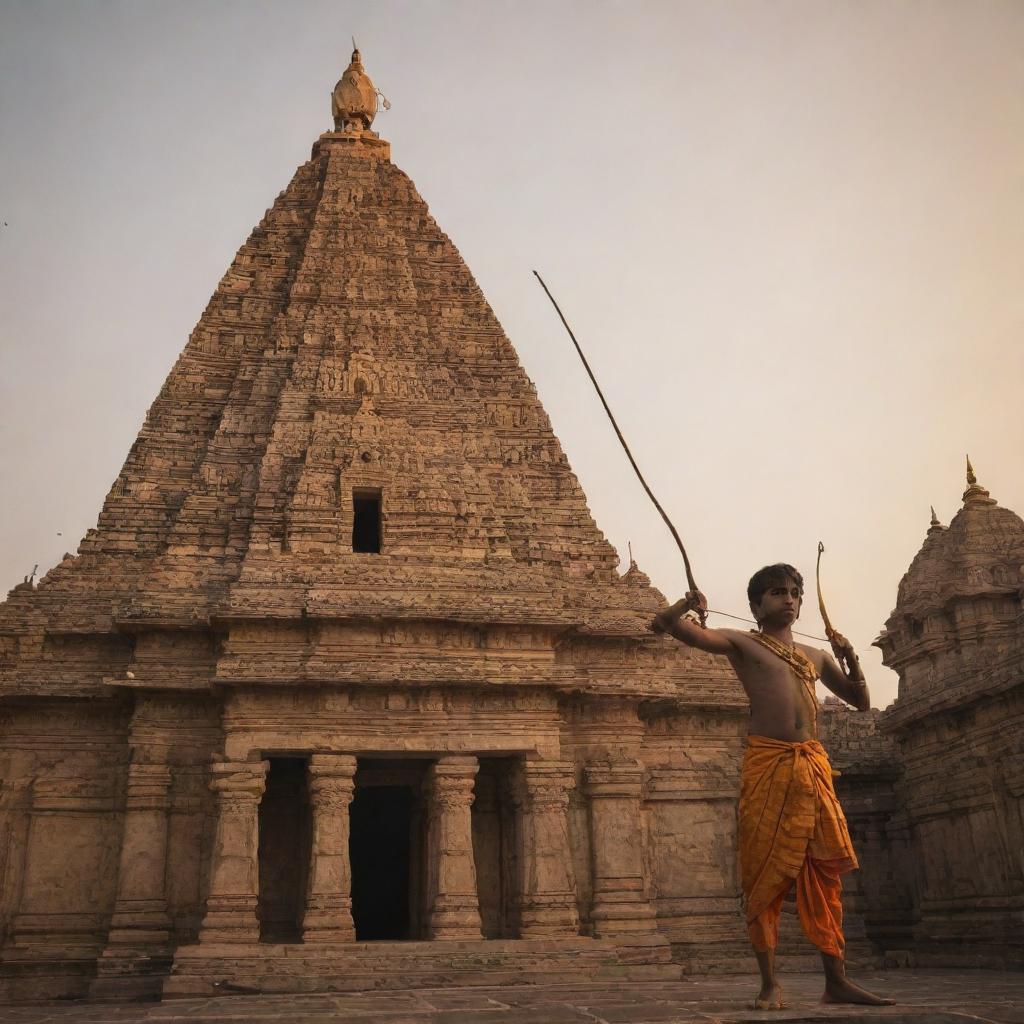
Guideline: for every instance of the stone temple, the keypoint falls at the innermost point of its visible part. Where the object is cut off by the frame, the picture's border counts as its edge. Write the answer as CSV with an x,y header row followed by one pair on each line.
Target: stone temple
x,y
345,689
346,661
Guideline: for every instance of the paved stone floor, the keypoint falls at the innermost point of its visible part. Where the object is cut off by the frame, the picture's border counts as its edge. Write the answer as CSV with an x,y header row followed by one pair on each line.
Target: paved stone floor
x,y
932,996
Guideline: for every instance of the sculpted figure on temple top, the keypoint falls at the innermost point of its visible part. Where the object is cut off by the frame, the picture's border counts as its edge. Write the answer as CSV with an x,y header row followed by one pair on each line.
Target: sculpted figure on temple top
x,y
354,99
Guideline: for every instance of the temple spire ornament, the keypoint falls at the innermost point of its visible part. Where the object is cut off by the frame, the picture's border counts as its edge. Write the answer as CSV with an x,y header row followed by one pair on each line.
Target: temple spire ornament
x,y
354,99
975,493
935,525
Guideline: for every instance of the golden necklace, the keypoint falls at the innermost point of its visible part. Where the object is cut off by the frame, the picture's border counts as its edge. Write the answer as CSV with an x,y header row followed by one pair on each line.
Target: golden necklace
x,y
801,665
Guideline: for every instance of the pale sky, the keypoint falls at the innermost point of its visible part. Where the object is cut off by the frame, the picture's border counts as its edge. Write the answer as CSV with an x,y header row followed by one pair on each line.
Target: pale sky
x,y
788,234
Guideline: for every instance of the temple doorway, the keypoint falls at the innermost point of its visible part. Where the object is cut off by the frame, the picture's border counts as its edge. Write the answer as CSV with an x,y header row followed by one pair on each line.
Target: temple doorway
x,y
495,826
285,841
388,828
386,850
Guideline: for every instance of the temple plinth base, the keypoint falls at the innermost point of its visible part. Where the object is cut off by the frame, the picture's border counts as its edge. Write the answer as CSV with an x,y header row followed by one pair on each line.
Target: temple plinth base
x,y
130,975
328,919
622,911
455,917
230,919
210,969
552,916
138,954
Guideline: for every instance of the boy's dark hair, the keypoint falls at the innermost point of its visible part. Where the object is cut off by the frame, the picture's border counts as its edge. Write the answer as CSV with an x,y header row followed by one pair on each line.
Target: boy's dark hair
x,y
772,576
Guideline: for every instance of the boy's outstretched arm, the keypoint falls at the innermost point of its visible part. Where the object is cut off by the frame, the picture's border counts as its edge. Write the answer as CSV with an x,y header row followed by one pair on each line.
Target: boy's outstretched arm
x,y
686,628
850,685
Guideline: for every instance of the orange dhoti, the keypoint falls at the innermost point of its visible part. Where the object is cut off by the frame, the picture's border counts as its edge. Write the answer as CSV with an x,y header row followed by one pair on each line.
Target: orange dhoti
x,y
792,829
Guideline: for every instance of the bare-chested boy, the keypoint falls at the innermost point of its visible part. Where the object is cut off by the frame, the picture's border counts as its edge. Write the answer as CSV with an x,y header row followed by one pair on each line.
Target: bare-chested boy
x,y
792,829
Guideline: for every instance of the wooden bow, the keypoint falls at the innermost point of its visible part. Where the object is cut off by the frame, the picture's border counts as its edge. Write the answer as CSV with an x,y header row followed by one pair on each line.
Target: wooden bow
x,y
830,630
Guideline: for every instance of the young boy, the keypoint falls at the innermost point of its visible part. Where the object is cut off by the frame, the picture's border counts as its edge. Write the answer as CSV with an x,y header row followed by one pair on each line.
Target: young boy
x,y
791,827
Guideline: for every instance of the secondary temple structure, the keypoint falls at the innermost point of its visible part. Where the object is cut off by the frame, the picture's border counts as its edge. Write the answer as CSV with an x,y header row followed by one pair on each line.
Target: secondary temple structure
x,y
345,688
934,785
956,638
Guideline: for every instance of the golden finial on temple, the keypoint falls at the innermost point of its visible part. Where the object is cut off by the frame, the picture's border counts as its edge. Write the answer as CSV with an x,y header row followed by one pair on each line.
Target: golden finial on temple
x,y
354,99
935,526
975,495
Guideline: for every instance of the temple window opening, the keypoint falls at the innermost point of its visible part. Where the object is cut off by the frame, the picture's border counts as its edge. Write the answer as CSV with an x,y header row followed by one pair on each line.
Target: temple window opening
x,y
366,521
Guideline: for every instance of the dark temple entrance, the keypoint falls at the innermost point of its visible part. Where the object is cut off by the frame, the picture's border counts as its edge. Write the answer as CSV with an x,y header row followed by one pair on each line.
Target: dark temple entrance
x,y
285,839
498,870
384,849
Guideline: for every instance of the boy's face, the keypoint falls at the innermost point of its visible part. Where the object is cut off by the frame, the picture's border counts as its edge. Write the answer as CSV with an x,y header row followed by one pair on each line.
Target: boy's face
x,y
779,605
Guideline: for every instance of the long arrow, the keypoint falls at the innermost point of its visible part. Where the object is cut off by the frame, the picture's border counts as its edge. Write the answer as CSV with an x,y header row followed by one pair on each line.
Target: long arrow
x,y
625,447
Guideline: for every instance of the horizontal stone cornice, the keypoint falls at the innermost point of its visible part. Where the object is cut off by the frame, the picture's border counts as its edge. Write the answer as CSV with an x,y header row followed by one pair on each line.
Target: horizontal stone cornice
x,y
148,787
544,783
977,687
365,144
239,781
614,779
686,784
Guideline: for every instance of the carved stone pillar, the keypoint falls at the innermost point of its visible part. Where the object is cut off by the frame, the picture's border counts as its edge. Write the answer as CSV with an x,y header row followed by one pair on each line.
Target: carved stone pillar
x,y
234,869
548,882
71,817
16,770
140,912
138,943
454,906
328,915
620,904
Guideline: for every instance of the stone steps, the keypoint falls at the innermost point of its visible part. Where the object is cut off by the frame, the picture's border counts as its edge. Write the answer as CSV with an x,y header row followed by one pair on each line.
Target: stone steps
x,y
209,970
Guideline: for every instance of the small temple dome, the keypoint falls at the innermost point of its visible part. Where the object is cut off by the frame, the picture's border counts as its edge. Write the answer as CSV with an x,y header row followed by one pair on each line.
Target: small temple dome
x,y
981,551
354,100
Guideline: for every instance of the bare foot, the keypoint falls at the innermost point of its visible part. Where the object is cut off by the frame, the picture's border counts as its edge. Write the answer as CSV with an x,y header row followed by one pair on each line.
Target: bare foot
x,y
842,990
769,998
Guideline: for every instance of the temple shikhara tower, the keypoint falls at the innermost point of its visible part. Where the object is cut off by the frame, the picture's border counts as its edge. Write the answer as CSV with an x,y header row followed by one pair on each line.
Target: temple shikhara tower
x,y
346,657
